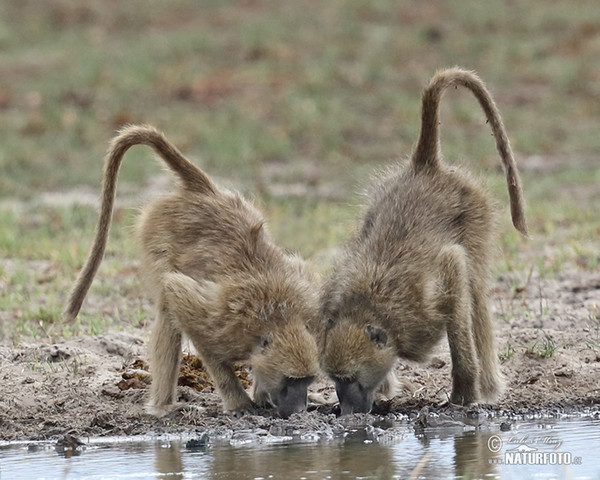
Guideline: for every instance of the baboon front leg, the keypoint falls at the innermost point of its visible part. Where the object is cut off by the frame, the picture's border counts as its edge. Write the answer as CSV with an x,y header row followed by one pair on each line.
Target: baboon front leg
x,y
235,398
456,306
490,381
164,358
259,395
189,300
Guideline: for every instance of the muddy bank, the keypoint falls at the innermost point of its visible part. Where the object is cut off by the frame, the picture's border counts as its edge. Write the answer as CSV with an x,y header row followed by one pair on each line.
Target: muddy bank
x,y
548,333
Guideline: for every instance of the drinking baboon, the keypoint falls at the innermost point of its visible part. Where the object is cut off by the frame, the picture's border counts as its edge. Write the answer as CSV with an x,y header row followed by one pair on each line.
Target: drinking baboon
x,y
216,276
419,266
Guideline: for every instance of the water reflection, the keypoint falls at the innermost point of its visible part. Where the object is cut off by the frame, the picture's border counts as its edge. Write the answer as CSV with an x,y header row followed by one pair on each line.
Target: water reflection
x,y
472,456
308,461
355,456
167,461
391,454
366,453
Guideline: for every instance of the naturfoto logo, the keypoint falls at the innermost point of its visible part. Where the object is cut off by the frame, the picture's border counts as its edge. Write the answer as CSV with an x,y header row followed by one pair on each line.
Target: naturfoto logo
x,y
525,454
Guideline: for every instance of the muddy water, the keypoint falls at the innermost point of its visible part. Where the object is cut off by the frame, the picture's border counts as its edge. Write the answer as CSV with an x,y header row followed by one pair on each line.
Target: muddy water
x,y
540,448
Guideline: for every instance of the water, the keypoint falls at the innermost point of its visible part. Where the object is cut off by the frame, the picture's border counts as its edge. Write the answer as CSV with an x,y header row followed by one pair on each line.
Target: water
x,y
362,453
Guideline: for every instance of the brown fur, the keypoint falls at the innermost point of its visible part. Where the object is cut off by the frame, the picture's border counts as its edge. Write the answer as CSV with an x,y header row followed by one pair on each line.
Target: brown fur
x,y
419,267
216,276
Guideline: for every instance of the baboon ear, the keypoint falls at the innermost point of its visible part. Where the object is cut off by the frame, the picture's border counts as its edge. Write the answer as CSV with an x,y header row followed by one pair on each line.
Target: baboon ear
x,y
265,340
377,335
256,231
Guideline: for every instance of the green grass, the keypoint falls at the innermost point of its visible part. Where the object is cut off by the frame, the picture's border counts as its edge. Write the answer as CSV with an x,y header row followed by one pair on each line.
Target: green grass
x,y
270,95
507,354
545,348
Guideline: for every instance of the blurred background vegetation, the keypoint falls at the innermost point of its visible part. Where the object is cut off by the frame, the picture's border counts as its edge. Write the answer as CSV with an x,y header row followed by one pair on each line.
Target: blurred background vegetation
x,y
293,102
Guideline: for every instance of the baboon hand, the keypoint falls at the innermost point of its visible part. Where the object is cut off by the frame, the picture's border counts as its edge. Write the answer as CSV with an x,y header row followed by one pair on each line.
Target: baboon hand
x,y
464,397
249,408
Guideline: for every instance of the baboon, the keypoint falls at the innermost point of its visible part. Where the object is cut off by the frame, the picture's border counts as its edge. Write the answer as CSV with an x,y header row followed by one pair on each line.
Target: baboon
x,y
216,276
419,266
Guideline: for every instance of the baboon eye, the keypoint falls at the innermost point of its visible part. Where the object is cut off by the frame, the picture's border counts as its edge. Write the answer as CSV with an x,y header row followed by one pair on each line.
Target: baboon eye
x,y
330,324
377,335
265,340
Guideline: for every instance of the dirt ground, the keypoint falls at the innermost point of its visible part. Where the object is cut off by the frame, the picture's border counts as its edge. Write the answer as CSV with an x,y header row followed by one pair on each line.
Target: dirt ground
x,y
548,333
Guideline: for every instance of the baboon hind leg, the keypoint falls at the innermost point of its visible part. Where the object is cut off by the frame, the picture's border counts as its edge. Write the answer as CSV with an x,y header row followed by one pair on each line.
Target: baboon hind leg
x,y
456,307
491,382
164,357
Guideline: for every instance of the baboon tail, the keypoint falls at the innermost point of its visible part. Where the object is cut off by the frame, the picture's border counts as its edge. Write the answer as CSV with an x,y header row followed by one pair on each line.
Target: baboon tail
x,y
192,177
427,149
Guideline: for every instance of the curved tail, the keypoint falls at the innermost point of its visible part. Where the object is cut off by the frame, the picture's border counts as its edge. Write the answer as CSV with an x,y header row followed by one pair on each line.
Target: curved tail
x,y
192,178
426,153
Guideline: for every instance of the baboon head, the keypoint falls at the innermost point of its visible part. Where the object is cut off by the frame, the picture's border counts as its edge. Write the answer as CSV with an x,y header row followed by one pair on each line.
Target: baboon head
x,y
284,364
357,357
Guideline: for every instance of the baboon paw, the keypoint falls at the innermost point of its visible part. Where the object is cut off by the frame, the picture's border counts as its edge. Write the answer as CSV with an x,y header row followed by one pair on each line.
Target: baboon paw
x,y
159,410
187,408
263,404
247,409
462,399
464,391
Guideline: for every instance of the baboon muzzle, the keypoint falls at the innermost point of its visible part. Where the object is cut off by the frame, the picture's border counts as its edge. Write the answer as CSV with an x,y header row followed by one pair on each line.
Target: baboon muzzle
x,y
292,397
353,397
